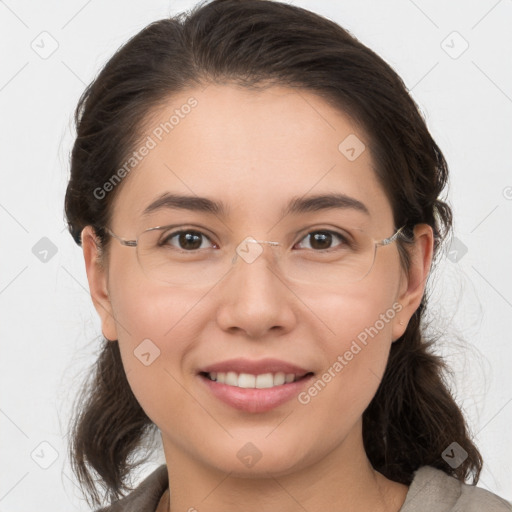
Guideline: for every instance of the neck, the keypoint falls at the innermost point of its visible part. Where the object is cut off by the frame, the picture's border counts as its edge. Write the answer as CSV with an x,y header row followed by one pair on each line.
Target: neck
x,y
343,480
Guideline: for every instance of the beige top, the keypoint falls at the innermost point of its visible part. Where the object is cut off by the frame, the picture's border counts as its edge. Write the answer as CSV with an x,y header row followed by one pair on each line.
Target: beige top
x,y
431,490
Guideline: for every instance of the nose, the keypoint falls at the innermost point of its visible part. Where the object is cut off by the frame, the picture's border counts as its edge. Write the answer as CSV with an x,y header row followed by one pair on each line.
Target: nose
x,y
254,298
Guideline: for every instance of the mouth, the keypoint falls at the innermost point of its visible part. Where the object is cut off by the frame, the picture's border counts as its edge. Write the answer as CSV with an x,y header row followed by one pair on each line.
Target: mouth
x,y
254,386
252,381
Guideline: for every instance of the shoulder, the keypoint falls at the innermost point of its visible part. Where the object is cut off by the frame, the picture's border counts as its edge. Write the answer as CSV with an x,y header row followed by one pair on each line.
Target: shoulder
x,y
145,497
433,489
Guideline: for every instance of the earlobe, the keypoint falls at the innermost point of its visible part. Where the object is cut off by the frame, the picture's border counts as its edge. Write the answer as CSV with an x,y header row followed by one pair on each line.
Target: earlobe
x,y
97,277
413,285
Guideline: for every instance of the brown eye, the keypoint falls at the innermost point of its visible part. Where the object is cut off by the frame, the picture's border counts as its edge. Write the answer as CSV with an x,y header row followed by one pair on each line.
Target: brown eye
x,y
185,240
323,240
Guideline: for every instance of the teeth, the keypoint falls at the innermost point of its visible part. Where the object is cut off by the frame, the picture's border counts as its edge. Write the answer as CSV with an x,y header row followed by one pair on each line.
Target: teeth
x,y
280,378
247,380
231,379
265,380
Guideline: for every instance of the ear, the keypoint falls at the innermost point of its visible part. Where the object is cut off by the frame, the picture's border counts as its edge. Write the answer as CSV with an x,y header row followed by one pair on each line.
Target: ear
x,y
413,283
97,276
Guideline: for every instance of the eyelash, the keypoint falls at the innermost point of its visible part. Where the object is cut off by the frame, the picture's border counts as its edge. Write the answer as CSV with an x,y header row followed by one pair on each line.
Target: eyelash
x,y
170,236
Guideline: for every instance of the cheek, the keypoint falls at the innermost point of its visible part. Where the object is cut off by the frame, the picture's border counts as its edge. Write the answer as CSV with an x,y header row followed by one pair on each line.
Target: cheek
x,y
146,309
359,311
156,330
359,332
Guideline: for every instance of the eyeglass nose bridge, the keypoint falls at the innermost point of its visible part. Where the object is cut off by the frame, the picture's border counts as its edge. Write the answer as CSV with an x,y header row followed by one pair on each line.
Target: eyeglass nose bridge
x,y
263,242
249,253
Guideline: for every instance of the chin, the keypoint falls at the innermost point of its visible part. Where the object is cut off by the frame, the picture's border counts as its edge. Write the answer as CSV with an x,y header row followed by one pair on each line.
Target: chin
x,y
259,458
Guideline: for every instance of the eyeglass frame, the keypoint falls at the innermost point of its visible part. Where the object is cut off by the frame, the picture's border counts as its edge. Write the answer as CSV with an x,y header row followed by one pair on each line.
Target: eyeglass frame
x,y
377,243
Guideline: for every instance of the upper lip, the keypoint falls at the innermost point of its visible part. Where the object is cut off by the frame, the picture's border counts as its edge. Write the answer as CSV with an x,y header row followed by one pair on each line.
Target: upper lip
x,y
258,367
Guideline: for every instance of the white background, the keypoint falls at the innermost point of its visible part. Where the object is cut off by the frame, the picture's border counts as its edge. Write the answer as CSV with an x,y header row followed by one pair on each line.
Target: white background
x,y
49,330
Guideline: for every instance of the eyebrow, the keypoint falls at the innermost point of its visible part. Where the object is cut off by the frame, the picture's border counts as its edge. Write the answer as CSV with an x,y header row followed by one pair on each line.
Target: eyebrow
x,y
318,202
296,206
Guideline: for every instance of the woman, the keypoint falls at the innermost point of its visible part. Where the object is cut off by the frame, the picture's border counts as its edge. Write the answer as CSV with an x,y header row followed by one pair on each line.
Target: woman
x,y
258,202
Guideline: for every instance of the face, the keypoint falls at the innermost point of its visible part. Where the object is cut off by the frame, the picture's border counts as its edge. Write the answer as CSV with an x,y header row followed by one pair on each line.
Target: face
x,y
254,152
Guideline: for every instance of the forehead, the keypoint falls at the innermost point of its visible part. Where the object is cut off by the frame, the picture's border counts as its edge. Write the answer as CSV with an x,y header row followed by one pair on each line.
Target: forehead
x,y
252,151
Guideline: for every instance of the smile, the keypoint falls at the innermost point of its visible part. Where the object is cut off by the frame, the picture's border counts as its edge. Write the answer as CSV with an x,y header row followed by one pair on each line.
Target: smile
x,y
248,380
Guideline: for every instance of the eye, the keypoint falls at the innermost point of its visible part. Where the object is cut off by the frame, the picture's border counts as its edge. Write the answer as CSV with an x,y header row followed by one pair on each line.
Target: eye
x,y
323,240
187,240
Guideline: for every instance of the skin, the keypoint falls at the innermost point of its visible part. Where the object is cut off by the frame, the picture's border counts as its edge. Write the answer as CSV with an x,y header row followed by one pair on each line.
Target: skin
x,y
254,151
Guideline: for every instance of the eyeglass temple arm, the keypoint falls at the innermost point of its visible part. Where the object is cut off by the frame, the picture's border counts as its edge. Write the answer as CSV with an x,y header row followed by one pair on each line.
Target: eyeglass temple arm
x,y
122,241
392,238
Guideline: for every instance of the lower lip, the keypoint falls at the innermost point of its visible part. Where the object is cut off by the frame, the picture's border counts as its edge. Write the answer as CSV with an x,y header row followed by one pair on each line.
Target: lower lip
x,y
253,399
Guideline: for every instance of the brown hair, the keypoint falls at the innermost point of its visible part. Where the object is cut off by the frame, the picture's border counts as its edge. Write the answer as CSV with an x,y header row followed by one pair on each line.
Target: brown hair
x,y
413,417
